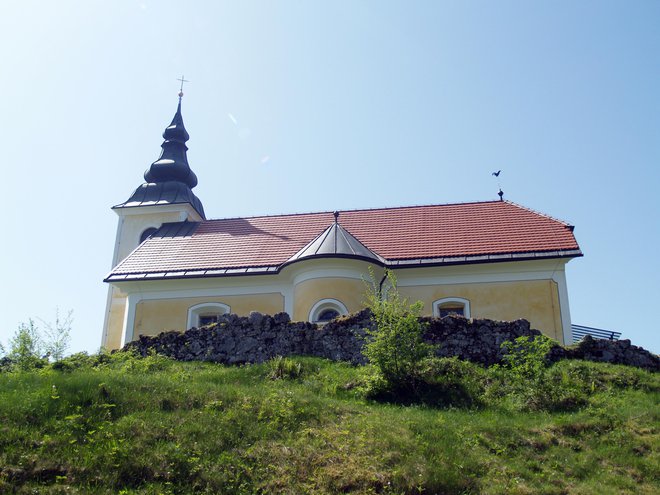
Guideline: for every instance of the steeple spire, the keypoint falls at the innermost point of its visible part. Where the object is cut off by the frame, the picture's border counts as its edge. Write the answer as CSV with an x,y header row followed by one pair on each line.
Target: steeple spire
x,y
169,179
172,165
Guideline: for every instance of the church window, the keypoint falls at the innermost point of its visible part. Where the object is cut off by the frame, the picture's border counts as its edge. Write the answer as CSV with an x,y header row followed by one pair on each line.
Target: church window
x,y
325,310
451,305
205,314
147,233
207,319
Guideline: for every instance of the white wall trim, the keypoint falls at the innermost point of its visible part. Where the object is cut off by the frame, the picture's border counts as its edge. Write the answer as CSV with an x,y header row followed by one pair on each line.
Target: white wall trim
x,y
287,293
324,304
564,309
460,300
194,312
472,278
186,210
127,333
135,287
359,271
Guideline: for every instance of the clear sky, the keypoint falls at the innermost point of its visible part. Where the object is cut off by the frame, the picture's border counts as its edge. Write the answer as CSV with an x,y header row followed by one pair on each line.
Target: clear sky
x,y
297,106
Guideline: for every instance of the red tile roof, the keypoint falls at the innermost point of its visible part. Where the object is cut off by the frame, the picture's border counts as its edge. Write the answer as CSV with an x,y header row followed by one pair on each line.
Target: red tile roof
x,y
436,234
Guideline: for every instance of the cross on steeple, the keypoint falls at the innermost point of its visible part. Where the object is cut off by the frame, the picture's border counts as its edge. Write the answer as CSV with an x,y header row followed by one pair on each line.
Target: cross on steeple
x,y
182,79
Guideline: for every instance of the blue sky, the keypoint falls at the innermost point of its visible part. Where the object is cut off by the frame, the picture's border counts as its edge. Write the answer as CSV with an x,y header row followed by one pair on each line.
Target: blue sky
x,y
299,106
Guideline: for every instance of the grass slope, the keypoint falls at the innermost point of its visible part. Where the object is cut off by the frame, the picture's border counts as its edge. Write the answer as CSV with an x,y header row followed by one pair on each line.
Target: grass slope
x,y
127,425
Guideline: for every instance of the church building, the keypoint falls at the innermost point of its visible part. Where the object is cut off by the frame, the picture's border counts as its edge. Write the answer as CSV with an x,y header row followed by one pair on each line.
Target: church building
x,y
173,269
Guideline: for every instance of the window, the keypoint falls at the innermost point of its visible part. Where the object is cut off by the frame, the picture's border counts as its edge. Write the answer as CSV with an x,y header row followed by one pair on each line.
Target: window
x,y
325,310
451,305
147,233
207,319
205,314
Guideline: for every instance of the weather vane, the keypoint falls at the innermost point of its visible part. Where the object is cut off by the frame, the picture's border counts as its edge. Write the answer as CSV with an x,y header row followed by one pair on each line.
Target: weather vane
x,y
500,193
183,80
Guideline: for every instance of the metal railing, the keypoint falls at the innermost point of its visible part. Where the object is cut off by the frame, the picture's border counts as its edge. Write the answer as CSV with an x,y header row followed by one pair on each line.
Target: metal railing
x,y
579,331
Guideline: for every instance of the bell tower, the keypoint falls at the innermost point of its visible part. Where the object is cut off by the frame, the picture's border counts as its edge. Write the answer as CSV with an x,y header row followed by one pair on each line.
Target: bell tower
x,y
165,196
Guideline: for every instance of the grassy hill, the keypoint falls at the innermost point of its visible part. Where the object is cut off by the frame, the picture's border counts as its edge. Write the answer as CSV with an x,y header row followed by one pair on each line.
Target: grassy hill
x,y
121,424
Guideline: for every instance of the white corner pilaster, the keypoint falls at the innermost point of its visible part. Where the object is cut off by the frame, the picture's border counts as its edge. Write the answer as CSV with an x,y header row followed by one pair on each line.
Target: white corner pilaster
x,y
127,333
559,276
288,301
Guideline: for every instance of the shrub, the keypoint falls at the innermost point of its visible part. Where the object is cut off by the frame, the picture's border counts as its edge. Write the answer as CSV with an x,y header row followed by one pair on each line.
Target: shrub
x,y
280,368
396,350
529,382
439,382
77,361
526,357
395,347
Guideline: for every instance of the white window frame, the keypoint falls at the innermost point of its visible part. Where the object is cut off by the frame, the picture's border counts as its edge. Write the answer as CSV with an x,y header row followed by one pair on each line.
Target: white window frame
x,y
320,306
205,309
458,300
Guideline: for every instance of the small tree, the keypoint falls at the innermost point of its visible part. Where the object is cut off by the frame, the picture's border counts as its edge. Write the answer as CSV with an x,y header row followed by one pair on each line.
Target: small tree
x,y
57,335
25,347
396,346
28,345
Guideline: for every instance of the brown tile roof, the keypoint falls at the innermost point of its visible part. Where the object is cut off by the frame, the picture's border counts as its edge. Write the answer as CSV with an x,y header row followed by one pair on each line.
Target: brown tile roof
x,y
435,234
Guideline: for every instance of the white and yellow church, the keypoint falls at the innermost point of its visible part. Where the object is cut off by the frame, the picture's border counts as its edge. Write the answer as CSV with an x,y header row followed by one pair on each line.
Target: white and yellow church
x,y
173,269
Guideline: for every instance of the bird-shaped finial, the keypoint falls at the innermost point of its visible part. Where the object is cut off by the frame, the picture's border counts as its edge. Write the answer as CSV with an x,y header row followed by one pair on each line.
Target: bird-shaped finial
x,y
497,174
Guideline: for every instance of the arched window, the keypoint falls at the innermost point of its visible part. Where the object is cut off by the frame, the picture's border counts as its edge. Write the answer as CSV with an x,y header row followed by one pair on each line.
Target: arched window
x,y
147,233
451,305
205,314
325,310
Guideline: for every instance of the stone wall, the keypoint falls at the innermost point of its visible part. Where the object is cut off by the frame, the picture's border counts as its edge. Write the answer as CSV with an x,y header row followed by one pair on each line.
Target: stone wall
x,y
257,338
611,351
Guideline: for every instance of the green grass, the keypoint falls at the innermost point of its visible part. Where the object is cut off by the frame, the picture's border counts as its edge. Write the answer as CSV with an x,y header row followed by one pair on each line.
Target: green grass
x,y
296,426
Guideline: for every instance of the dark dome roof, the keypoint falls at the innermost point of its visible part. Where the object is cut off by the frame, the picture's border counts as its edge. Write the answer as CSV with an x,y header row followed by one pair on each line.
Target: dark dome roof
x,y
169,179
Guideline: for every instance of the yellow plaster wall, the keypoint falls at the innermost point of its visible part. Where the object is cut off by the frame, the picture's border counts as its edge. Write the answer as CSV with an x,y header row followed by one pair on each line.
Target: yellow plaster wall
x,y
153,317
349,291
534,300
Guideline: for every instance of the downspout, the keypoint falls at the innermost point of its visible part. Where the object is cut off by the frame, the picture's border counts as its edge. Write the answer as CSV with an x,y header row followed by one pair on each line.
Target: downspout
x,y
380,285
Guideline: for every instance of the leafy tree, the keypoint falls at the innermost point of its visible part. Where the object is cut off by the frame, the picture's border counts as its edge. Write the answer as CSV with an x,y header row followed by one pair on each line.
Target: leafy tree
x,y
29,348
395,347
58,335
25,347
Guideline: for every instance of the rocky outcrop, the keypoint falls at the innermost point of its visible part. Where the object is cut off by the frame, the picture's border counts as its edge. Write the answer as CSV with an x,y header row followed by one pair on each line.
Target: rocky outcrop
x,y
613,351
259,337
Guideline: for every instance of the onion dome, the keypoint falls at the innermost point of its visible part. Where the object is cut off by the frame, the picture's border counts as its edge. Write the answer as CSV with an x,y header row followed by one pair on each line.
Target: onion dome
x,y
172,165
169,179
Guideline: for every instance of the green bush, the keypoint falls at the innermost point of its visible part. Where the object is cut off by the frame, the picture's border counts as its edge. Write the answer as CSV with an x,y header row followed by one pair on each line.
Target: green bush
x,y
527,357
395,347
284,368
567,385
82,360
439,382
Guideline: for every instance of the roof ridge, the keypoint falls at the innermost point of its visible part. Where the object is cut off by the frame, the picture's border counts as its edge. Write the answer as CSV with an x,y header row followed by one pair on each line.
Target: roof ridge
x,y
358,209
532,210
